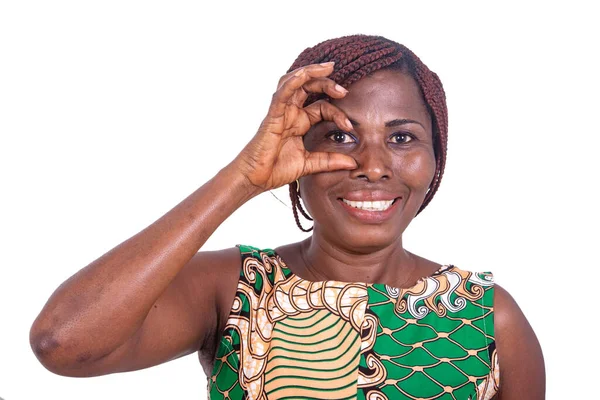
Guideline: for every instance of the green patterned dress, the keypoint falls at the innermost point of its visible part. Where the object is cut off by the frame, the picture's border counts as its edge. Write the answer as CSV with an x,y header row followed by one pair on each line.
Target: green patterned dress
x,y
287,337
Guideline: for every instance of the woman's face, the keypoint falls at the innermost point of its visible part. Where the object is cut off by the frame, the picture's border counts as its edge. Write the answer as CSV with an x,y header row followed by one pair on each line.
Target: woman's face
x,y
392,144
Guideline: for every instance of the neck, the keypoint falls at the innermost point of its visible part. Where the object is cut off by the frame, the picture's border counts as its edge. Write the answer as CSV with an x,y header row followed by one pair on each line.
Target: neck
x,y
326,260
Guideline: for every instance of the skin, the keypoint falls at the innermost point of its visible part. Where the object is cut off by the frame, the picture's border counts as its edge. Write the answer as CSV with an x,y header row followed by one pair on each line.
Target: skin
x,y
155,297
398,160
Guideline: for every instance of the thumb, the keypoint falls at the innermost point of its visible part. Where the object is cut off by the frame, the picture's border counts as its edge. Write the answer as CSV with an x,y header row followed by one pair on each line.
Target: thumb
x,y
320,161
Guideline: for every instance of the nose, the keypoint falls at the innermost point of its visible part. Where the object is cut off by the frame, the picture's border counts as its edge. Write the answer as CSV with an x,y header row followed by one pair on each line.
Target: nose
x,y
374,163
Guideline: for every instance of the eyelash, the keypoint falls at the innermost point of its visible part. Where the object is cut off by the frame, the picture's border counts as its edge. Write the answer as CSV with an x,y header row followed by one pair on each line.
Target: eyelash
x,y
331,134
404,134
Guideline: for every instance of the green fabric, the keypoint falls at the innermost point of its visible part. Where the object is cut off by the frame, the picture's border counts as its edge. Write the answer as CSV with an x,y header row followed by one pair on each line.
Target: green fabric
x,y
290,338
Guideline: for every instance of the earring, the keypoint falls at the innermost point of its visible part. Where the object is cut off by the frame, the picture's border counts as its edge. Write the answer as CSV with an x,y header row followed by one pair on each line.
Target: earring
x,y
298,187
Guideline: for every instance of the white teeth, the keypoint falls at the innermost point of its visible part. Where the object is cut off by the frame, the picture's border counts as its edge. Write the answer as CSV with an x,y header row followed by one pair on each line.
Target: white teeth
x,y
380,205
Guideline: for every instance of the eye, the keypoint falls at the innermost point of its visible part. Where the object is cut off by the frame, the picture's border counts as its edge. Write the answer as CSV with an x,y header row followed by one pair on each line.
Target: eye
x,y
401,138
340,137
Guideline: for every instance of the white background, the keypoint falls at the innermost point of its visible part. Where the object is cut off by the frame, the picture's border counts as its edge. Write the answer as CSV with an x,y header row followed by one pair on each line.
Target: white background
x,y
112,112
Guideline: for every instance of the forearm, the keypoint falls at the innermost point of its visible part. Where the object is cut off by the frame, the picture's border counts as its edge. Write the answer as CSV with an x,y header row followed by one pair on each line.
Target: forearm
x,y
105,303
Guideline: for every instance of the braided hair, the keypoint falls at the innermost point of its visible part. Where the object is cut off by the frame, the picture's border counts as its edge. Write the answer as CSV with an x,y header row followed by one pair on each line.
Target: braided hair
x,y
358,56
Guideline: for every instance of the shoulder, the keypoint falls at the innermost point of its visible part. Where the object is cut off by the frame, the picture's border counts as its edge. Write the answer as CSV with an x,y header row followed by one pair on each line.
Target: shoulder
x,y
227,268
522,371
254,252
215,265
212,274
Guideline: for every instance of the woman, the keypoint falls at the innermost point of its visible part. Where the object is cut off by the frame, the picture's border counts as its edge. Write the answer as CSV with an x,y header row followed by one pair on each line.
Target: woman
x,y
357,128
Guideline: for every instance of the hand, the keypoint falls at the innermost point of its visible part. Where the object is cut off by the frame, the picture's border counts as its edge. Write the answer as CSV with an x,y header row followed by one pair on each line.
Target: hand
x,y
276,155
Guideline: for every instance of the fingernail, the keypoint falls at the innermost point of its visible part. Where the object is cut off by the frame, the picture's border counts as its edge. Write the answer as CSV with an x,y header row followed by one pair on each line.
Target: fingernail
x,y
299,72
349,124
327,64
340,89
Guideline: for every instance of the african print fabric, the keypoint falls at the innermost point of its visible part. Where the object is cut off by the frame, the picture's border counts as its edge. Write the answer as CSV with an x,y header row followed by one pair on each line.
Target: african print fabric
x,y
290,338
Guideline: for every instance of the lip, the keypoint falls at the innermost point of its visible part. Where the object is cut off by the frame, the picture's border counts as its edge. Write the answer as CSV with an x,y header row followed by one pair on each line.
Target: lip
x,y
371,217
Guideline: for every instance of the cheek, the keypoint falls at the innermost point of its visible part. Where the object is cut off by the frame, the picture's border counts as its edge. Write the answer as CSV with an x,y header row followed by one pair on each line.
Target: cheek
x,y
418,168
313,191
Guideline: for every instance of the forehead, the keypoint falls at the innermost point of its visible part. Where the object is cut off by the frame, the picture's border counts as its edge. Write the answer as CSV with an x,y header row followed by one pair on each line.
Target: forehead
x,y
387,95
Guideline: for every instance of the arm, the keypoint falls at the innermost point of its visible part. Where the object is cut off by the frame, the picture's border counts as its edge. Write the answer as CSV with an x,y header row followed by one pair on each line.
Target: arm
x,y
98,320
153,298
522,373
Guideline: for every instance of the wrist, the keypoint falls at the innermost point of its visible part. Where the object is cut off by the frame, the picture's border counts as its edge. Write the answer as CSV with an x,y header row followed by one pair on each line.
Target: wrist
x,y
239,183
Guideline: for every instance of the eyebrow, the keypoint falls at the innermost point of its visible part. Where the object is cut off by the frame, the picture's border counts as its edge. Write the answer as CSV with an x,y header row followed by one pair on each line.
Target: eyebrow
x,y
392,123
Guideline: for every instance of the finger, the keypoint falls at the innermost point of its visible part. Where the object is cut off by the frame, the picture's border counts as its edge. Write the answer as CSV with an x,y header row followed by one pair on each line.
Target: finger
x,y
283,95
320,161
290,74
318,85
324,111
325,85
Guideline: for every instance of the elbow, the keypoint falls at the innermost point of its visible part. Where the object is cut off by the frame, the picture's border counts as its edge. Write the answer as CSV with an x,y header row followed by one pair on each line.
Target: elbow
x,y
50,352
61,355
45,346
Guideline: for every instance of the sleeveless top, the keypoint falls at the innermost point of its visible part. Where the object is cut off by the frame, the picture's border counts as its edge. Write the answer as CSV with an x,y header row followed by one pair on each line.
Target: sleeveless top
x,y
287,337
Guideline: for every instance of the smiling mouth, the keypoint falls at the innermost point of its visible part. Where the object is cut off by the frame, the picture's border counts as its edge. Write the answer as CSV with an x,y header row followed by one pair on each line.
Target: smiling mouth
x,y
377,205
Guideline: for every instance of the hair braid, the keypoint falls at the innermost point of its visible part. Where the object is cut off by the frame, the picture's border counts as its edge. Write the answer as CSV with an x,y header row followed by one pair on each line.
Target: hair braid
x,y
297,206
358,56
